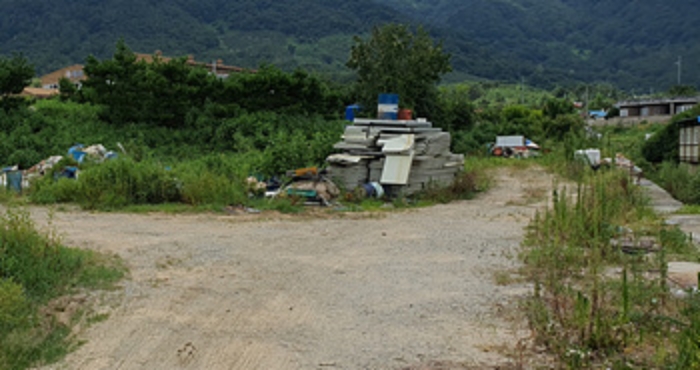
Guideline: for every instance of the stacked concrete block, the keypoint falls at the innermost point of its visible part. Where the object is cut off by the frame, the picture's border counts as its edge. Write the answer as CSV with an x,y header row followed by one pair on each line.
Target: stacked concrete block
x,y
403,156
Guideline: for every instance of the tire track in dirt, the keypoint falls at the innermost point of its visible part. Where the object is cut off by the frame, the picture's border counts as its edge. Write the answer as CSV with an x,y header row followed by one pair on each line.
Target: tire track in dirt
x,y
401,290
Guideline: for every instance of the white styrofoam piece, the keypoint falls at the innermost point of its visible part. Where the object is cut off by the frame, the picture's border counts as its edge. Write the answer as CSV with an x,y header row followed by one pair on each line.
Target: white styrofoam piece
x,y
400,144
510,141
396,169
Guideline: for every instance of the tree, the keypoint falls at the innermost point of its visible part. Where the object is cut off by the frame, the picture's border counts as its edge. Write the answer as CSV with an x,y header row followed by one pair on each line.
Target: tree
x,y
395,60
134,91
554,107
682,90
15,74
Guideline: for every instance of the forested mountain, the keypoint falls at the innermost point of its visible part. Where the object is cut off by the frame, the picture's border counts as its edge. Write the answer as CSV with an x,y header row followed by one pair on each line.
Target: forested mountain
x,y
633,44
546,42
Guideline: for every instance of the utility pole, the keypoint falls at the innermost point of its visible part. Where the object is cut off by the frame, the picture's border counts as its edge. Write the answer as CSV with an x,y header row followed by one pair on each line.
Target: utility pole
x,y
522,84
678,63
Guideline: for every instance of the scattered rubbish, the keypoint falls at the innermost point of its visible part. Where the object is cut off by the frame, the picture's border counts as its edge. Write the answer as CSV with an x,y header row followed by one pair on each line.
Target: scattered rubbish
x,y
255,186
403,156
514,147
622,162
232,210
641,245
320,190
77,153
121,147
96,152
14,180
309,171
44,166
69,172
590,156
373,190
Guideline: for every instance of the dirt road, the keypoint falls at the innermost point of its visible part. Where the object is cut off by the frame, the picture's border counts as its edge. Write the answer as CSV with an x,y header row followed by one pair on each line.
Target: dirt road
x,y
406,290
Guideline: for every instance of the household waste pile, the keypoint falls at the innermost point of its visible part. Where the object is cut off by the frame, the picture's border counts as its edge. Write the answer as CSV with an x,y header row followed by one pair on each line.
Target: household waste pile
x,y
400,156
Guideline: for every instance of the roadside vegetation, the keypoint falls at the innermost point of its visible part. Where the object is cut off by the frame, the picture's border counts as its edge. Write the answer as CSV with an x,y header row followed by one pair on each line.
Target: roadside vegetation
x,y
36,268
598,259
190,140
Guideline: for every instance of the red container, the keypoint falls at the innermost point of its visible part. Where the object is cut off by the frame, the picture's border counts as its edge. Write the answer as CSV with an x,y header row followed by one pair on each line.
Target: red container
x,y
405,114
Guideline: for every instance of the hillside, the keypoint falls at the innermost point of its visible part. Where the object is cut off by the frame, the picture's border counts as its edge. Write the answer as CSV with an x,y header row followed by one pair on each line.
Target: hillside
x,y
624,42
314,35
546,42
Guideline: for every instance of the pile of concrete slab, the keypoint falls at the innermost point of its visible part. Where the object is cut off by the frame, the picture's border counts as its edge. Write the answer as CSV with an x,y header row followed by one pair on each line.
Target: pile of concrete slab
x,y
405,157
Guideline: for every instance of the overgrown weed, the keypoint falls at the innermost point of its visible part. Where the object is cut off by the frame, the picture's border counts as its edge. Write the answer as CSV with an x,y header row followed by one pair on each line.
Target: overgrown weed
x,y
583,313
34,268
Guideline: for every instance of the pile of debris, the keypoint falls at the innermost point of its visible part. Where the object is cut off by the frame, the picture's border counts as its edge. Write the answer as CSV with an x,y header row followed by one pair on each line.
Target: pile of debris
x,y
15,179
592,157
514,147
402,156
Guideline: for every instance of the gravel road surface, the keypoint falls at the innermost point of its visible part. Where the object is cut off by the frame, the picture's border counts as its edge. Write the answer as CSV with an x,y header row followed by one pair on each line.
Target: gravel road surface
x,y
401,290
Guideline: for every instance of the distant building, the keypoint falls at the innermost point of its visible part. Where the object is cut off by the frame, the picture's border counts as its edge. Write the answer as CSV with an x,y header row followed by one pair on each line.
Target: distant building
x,y
656,107
39,93
74,74
215,67
689,140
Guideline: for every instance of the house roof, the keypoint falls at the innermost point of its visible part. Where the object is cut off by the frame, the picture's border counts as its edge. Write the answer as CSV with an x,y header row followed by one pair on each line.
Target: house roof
x,y
73,73
647,102
76,74
39,93
695,121
217,65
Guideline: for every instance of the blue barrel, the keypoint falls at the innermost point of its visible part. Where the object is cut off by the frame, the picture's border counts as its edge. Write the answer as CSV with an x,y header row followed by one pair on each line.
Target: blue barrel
x,y
388,107
350,112
14,181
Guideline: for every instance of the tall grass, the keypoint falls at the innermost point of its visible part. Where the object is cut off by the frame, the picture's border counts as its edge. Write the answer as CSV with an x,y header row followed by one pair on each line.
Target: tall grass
x,y
593,304
680,180
115,184
34,268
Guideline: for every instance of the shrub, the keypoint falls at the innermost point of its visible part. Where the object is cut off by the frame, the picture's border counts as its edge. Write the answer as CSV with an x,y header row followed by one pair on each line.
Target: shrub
x,y
34,268
14,307
121,182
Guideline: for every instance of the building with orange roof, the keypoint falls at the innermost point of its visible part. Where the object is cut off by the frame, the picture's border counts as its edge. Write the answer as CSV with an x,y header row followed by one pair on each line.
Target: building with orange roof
x,y
39,92
74,74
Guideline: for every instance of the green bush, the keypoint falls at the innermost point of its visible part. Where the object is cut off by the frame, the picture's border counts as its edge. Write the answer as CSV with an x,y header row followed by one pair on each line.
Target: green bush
x,y
664,145
36,261
680,181
121,182
34,268
14,307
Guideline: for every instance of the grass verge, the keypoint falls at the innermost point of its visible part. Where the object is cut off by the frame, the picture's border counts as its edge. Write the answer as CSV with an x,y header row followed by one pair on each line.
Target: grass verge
x,y
34,269
598,260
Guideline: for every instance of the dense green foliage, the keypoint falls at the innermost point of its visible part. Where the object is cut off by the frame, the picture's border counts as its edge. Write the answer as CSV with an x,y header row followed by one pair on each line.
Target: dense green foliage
x,y
192,138
35,267
664,146
394,59
555,41
313,35
15,74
